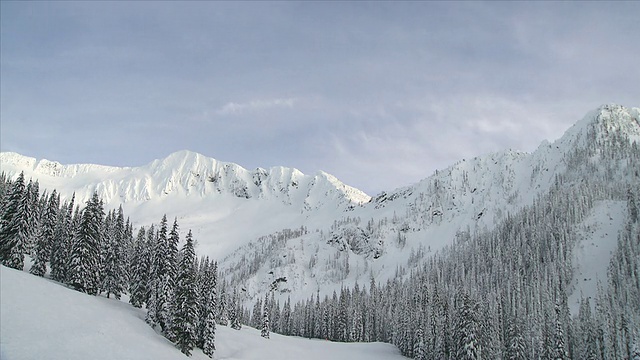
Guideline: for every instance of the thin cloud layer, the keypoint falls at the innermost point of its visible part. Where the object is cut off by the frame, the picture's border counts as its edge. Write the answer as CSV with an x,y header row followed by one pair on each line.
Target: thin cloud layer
x,y
233,108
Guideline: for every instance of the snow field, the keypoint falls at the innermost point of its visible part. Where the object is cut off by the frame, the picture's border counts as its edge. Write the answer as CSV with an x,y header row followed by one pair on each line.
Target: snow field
x,y
41,319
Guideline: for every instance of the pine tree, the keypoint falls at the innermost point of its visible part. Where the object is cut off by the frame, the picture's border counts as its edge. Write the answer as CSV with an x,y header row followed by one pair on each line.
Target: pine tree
x,y
632,205
85,253
14,226
419,350
168,284
223,318
46,236
209,334
516,346
186,305
128,245
466,329
266,327
172,252
140,269
159,311
285,318
113,279
208,303
33,215
234,311
588,342
560,352
5,184
207,276
62,239
256,315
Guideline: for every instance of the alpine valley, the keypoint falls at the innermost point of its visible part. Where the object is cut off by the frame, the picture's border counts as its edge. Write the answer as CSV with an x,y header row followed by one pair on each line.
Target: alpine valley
x,y
546,238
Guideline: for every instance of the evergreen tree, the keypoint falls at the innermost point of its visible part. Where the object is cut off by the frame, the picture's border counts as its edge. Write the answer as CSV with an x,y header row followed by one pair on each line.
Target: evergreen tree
x,y
285,318
223,317
168,284
632,205
5,185
266,327
62,239
516,347
186,299
14,226
113,279
159,311
588,341
208,302
85,254
172,253
419,350
209,334
45,239
560,352
33,215
466,329
235,312
140,269
256,315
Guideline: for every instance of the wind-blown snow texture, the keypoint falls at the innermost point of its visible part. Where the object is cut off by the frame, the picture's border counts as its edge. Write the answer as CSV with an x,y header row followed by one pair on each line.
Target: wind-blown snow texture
x,y
44,320
280,229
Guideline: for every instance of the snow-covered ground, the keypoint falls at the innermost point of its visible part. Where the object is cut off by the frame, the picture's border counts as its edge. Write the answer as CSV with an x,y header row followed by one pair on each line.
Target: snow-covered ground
x,y
41,319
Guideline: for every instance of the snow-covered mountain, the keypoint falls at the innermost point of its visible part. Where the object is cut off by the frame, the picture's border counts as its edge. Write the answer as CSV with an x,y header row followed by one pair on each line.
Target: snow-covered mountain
x,y
283,230
216,199
189,174
401,227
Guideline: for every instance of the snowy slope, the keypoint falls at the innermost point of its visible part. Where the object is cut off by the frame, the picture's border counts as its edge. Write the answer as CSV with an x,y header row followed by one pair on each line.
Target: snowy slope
x,y
44,320
412,222
250,220
597,240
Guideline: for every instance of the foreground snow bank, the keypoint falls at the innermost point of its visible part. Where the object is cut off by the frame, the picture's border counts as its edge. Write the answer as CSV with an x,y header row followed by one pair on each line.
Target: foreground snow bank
x,y
40,319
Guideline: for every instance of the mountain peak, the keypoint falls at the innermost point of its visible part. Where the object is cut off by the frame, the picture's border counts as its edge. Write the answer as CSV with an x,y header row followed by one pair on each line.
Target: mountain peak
x,y
606,120
188,173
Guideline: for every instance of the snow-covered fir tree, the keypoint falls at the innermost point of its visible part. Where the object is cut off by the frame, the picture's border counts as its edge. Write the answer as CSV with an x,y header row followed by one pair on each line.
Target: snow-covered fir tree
x,y
45,239
14,226
162,281
206,287
84,264
209,334
186,299
63,233
235,312
113,255
266,326
140,269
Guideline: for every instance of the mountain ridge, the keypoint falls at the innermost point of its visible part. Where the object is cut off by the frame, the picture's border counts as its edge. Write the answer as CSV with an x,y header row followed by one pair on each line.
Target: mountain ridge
x,y
182,171
186,166
344,235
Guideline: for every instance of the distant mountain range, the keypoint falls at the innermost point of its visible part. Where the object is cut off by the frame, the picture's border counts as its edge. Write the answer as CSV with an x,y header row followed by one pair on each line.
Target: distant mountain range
x,y
280,229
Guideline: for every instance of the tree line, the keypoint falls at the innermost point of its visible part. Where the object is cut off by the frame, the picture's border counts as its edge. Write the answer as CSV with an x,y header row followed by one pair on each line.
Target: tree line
x,y
499,294
97,253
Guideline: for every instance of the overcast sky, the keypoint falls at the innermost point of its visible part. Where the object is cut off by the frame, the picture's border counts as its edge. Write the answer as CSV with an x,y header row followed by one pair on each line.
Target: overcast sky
x,y
378,94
